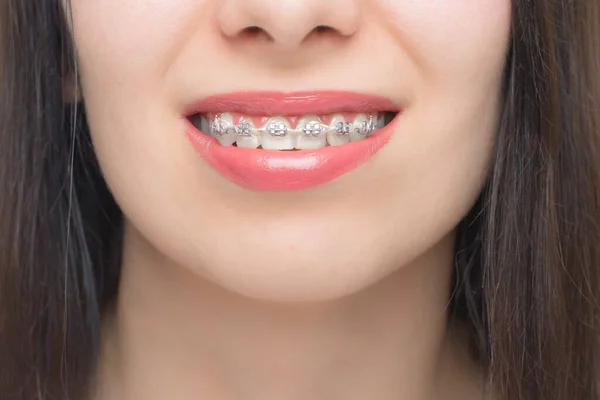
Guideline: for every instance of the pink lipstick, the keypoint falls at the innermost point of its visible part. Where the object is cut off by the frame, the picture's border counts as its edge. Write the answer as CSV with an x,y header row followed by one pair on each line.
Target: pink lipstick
x,y
285,171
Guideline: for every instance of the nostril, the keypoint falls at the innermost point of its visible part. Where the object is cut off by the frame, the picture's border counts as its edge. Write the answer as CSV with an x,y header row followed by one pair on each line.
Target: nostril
x,y
255,32
254,29
322,31
323,28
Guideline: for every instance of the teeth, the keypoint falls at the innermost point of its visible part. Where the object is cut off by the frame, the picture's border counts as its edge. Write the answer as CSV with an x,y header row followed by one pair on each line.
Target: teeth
x,y
246,134
204,125
339,131
223,130
381,120
361,127
277,135
310,133
314,134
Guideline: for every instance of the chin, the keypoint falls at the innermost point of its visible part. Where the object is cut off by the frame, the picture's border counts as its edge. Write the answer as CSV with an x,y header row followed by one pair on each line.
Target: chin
x,y
281,260
301,276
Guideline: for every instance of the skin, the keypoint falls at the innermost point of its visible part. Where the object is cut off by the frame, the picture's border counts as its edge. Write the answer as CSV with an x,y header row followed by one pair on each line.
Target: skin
x,y
338,292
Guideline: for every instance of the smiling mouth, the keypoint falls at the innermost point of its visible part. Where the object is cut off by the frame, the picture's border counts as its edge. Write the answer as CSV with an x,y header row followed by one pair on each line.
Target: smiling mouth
x,y
307,132
313,137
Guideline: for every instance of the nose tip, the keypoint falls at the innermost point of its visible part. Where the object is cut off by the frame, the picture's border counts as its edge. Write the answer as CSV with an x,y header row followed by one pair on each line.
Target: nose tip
x,y
287,23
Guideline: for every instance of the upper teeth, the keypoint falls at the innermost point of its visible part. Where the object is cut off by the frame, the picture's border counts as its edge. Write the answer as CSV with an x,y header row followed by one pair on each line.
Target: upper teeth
x,y
277,133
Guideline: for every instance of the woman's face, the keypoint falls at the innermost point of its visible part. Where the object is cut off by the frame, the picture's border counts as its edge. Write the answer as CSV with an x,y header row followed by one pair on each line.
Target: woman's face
x,y
322,226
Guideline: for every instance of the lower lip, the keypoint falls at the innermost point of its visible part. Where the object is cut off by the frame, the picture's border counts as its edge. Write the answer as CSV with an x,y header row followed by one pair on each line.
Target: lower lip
x,y
286,171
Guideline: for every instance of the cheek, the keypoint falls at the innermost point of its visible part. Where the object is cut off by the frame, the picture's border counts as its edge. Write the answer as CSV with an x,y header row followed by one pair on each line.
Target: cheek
x,y
129,41
451,36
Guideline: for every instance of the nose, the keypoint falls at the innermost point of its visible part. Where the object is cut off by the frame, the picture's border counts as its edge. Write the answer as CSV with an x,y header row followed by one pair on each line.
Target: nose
x,y
288,23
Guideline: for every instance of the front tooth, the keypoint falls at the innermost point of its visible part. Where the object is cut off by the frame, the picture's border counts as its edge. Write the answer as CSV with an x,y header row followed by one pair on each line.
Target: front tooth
x,y
311,133
359,129
247,136
338,132
223,129
277,135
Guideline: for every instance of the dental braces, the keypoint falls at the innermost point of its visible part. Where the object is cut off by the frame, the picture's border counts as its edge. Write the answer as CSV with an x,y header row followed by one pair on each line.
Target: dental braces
x,y
220,127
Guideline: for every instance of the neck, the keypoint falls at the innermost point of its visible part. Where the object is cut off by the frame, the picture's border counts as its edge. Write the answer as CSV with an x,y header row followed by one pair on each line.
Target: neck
x,y
176,335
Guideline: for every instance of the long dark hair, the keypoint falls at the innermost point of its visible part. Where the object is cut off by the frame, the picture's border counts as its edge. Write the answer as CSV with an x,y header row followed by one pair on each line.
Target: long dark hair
x,y
527,259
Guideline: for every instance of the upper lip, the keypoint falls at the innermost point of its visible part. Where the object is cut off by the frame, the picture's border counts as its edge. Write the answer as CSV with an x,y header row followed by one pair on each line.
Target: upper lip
x,y
294,103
